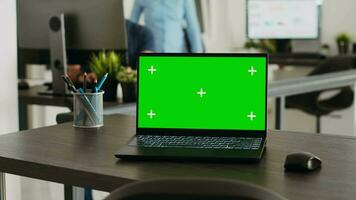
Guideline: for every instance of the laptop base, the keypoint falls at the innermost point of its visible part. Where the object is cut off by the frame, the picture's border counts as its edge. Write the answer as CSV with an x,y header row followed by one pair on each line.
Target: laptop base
x,y
135,152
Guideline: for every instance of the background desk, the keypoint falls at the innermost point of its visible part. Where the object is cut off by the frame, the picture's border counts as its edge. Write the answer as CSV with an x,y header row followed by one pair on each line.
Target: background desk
x,y
279,89
86,158
309,59
32,97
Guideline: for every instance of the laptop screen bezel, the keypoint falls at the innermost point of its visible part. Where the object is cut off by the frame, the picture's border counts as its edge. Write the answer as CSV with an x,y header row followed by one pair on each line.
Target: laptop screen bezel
x,y
201,132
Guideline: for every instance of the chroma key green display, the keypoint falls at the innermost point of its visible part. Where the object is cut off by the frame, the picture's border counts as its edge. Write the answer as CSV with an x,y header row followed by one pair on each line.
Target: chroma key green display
x,y
207,92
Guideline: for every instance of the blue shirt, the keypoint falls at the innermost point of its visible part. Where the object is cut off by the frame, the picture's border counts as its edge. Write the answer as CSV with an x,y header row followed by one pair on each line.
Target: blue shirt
x,y
167,19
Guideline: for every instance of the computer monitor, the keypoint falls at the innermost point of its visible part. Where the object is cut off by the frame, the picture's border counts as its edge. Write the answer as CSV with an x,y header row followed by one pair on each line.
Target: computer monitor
x,y
48,29
283,19
202,91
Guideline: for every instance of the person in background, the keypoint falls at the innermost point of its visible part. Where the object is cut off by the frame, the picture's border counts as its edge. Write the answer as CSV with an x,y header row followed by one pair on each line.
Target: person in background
x,y
173,23
139,39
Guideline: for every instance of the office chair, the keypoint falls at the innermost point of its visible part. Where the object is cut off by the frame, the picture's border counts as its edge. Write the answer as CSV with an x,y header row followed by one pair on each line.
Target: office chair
x,y
312,104
192,189
64,117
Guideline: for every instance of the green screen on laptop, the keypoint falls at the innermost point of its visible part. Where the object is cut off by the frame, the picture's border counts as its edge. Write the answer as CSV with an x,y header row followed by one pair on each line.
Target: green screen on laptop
x,y
207,92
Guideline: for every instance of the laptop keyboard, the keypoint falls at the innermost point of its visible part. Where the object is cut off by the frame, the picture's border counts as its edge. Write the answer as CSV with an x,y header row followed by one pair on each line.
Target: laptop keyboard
x,y
241,143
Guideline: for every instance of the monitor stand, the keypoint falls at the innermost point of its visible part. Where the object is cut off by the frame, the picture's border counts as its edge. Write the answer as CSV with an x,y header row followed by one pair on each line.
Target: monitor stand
x,y
58,58
283,46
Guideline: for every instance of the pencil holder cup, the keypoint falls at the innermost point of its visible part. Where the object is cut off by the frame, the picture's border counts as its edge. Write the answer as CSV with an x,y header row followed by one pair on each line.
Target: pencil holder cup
x,y
88,110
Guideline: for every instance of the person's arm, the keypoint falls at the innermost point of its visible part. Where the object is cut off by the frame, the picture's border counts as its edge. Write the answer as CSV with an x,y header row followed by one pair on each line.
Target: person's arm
x,y
148,42
136,11
193,28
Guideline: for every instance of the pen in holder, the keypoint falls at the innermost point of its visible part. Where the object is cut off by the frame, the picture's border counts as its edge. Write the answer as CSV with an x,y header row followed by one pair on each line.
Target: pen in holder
x,y
88,109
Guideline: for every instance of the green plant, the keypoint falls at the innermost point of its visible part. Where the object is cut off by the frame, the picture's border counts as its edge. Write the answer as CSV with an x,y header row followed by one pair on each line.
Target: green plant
x,y
343,37
251,44
325,46
127,75
105,62
268,46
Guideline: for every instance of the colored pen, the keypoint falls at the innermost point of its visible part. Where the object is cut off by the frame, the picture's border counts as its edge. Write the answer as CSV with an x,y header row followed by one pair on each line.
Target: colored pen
x,y
85,101
88,105
85,90
70,82
94,86
85,82
98,87
66,79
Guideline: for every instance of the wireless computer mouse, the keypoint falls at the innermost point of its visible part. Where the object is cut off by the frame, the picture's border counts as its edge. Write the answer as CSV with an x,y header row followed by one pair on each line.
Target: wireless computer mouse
x,y
302,161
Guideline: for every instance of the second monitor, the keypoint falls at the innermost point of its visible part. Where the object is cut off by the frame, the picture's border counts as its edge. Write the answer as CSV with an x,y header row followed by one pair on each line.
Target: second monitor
x,y
86,26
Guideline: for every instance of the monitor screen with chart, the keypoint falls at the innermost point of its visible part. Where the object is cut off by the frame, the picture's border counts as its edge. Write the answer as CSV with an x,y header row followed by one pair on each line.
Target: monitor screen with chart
x,y
283,19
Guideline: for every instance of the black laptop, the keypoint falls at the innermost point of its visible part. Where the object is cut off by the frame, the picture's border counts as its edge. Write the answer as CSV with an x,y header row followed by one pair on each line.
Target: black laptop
x,y
200,107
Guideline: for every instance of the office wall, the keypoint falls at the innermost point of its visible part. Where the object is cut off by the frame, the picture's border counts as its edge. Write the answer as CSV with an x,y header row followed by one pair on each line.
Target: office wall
x,y
226,28
338,16
8,67
228,18
8,85
226,24
128,7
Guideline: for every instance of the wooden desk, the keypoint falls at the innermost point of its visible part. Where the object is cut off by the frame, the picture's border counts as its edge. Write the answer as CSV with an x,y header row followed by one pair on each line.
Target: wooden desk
x,y
86,158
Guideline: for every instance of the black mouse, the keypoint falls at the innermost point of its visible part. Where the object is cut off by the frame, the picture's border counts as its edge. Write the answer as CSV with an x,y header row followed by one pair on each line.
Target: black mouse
x,y
302,162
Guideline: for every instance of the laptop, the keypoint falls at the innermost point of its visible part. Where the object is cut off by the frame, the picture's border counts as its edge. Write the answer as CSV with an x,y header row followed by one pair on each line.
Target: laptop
x,y
200,107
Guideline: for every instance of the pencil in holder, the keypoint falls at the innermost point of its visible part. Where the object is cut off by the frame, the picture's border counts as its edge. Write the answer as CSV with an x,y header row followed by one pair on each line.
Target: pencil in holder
x,y
88,110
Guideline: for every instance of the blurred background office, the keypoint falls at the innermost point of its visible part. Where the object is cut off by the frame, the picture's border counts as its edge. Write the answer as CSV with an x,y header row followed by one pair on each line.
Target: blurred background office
x,y
174,24
326,30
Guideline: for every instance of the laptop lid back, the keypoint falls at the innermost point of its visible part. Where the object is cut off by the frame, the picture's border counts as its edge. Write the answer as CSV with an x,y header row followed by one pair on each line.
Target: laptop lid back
x,y
202,94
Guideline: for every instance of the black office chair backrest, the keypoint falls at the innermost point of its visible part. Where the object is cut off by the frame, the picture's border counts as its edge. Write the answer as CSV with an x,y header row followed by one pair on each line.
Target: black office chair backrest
x,y
334,64
192,189
345,97
310,102
64,117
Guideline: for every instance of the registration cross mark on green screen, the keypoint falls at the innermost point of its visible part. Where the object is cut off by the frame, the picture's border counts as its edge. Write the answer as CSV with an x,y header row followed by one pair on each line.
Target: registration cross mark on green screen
x,y
207,92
